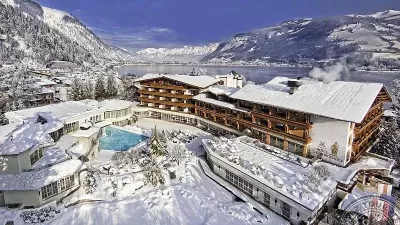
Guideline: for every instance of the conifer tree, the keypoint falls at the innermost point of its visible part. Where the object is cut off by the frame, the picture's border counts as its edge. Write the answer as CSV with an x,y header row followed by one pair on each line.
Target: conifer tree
x,y
99,90
111,87
76,92
88,89
389,142
156,144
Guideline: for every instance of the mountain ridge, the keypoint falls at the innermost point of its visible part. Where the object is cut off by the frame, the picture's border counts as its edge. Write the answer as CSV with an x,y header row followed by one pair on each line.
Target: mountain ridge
x,y
362,40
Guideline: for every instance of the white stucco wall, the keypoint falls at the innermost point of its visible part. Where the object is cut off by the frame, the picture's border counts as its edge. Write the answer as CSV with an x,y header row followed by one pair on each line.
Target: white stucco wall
x,y
12,164
330,131
27,198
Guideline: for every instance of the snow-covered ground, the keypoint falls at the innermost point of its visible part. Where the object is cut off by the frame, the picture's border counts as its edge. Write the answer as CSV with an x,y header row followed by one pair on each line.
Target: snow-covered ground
x,y
190,198
197,200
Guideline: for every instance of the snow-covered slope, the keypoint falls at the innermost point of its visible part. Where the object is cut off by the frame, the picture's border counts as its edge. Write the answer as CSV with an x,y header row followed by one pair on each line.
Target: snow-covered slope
x,y
186,53
52,23
77,32
363,40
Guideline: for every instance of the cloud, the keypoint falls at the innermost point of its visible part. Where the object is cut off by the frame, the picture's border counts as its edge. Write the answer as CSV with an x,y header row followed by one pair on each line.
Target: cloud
x,y
137,38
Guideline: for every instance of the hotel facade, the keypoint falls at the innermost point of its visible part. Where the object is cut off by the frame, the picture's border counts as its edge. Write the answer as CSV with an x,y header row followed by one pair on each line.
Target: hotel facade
x,y
337,121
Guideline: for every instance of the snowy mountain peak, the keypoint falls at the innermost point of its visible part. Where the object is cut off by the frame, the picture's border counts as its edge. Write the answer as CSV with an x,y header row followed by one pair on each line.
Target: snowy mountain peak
x,y
186,53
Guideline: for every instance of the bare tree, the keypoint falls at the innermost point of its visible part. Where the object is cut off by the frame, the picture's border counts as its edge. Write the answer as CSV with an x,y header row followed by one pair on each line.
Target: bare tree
x,y
177,153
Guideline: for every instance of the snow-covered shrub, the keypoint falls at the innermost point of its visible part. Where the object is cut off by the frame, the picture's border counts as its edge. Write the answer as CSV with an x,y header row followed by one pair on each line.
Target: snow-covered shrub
x,y
177,154
322,171
39,216
90,182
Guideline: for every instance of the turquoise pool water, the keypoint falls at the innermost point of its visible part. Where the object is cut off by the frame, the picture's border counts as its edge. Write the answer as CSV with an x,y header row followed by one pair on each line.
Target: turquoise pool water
x,y
119,140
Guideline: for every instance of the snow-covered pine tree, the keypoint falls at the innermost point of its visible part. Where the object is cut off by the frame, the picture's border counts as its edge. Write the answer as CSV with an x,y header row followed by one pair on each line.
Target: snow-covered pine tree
x,y
389,141
112,91
99,89
388,144
76,92
88,89
89,182
153,174
156,145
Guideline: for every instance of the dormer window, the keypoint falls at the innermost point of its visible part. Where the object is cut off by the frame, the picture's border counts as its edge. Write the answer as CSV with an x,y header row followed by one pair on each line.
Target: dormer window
x,y
36,155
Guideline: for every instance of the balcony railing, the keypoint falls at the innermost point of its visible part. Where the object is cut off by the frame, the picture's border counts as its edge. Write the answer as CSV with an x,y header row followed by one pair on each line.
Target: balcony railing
x,y
305,140
164,86
358,129
357,143
281,119
165,94
164,102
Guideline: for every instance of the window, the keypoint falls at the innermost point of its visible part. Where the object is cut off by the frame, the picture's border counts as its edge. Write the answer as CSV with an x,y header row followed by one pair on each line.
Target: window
x,y
49,191
285,210
238,181
60,186
267,199
36,155
71,127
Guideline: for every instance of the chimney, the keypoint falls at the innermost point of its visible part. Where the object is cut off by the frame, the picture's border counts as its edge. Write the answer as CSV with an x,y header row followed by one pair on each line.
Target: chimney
x,y
293,85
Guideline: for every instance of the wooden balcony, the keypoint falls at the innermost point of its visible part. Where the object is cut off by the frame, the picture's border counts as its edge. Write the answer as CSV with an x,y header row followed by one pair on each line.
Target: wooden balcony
x,y
282,120
258,126
360,141
164,86
164,102
165,94
362,127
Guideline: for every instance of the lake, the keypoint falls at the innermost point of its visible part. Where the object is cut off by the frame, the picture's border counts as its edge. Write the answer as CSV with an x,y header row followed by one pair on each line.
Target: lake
x,y
257,74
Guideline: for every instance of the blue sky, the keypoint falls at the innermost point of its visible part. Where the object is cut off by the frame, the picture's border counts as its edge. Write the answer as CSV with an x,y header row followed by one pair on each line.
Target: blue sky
x,y
137,24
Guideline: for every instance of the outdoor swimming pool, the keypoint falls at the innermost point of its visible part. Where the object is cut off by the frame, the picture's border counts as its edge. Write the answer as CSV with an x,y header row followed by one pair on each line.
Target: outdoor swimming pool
x,y
120,140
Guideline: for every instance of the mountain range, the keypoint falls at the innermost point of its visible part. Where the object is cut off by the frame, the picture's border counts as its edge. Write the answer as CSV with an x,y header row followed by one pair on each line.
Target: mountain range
x,y
363,40
33,33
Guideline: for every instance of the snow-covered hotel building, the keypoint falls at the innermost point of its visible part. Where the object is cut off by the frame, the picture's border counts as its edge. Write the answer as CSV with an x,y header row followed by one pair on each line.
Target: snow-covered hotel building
x,y
286,184
336,121
43,149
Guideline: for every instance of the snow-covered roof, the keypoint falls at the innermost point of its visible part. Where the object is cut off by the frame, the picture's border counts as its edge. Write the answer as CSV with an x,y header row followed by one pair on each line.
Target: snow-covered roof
x,y
45,82
86,133
61,110
221,90
286,177
115,104
6,130
203,98
348,101
51,156
78,150
197,81
36,179
345,175
33,132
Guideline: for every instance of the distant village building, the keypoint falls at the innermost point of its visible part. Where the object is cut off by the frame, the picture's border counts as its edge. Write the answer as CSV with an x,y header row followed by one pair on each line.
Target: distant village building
x,y
232,79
